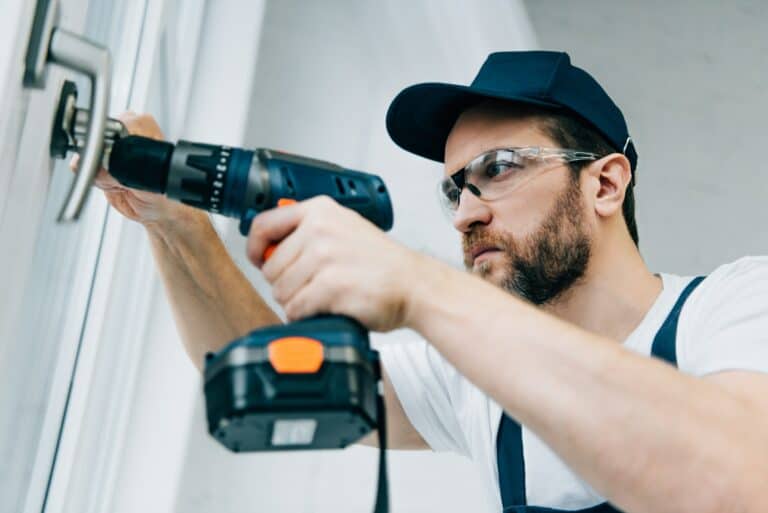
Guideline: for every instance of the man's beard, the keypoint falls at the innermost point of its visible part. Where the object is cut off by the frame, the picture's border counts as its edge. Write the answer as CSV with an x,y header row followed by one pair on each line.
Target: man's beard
x,y
547,262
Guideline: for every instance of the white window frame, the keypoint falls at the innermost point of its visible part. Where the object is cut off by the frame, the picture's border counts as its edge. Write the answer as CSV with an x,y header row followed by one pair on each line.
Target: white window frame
x,y
110,365
28,231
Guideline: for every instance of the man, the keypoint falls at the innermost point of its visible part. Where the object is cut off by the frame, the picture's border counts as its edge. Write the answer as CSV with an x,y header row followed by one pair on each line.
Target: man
x,y
537,363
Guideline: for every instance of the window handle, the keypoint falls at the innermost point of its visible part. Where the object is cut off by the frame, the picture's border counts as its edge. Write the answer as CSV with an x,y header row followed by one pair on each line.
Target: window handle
x,y
51,44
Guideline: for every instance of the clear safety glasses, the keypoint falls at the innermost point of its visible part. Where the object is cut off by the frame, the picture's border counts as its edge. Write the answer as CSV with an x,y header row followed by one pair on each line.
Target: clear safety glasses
x,y
495,173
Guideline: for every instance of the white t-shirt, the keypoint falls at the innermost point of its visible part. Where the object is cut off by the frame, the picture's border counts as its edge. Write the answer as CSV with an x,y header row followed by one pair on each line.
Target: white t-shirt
x,y
723,325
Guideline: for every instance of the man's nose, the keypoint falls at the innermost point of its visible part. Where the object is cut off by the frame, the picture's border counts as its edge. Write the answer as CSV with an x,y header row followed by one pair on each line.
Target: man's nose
x,y
471,211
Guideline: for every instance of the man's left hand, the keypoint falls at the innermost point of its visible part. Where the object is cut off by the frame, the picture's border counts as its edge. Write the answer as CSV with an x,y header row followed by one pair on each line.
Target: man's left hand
x,y
332,260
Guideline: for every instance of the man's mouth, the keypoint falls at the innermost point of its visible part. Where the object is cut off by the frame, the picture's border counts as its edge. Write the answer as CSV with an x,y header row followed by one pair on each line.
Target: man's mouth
x,y
483,251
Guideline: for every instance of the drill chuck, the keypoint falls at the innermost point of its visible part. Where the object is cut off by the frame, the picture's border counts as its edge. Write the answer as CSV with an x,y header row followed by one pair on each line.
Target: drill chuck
x,y
141,163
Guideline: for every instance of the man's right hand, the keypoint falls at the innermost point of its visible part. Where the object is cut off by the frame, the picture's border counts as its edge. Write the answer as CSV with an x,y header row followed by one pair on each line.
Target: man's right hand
x,y
147,208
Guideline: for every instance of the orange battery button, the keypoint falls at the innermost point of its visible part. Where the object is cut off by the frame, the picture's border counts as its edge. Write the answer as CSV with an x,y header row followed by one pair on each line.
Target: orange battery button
x,y
295,355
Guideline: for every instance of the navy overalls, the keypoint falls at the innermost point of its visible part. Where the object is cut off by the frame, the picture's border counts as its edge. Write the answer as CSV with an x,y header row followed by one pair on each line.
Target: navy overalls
x,y
509,439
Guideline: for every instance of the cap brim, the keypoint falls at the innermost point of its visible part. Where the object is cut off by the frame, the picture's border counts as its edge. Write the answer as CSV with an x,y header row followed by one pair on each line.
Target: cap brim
x,y
420,118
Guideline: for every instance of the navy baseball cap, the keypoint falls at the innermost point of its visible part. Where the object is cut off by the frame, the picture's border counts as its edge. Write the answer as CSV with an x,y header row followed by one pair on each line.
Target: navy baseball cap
x,y
421,116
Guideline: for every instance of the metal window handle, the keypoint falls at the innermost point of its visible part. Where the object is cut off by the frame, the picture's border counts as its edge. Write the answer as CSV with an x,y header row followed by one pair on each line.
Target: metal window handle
x,y
79,54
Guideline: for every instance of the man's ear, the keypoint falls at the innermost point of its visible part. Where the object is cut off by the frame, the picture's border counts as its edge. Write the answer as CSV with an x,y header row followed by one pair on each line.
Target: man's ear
x,y
613,174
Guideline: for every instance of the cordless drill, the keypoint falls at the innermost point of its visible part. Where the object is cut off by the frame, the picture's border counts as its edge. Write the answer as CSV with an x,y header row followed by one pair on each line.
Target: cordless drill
x,y
304,385
309,384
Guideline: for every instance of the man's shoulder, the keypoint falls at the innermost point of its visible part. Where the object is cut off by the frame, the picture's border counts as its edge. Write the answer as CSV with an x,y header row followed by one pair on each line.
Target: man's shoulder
x,y
727,283
724,325
743,266
742,278
746,264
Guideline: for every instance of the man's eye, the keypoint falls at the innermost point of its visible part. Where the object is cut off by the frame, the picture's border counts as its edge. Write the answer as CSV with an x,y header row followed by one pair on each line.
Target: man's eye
x,y
501,168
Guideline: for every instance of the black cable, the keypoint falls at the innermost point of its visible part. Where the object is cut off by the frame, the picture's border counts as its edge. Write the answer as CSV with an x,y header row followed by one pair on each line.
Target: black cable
x,y
382,490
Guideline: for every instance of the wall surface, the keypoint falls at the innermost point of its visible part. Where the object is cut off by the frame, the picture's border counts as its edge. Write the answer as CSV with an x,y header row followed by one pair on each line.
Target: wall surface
x,y
324,76
692,79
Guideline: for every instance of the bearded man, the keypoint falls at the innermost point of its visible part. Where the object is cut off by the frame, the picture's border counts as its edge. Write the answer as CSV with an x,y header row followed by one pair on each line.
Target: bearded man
x,y
576,378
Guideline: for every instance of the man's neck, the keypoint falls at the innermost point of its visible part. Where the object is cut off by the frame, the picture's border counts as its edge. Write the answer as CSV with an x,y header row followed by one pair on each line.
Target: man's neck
x,y
614,295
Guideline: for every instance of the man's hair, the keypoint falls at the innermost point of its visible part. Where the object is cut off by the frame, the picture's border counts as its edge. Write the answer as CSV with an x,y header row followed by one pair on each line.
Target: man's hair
x,y
570,132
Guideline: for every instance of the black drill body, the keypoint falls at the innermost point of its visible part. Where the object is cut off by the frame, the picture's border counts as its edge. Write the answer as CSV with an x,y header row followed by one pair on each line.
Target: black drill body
x,y
241,183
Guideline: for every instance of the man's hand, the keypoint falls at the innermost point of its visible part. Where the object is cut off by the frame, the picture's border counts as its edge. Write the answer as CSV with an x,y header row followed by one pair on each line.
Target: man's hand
x,y
332,260
144,207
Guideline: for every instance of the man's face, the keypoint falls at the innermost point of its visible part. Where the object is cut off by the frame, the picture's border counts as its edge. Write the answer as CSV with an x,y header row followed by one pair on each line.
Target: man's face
x,y
534,241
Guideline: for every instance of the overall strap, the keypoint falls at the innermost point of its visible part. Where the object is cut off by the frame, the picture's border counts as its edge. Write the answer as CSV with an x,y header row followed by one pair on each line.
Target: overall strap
x,y
511,466
664,344
510,460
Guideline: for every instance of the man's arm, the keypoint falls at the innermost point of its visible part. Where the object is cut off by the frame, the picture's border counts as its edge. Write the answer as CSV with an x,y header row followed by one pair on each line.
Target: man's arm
x,y
213,303
645,435
648,437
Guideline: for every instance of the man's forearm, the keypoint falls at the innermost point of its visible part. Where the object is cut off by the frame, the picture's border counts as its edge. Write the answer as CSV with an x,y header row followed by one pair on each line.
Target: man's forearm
x,y
647,436
213,303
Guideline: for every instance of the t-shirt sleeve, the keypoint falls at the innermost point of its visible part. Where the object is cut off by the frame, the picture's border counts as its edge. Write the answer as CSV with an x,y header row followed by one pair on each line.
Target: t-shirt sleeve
x,y
726,326
417,373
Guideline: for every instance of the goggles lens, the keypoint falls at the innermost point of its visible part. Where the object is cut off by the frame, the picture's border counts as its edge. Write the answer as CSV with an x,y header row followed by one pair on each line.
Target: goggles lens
x,y
495,173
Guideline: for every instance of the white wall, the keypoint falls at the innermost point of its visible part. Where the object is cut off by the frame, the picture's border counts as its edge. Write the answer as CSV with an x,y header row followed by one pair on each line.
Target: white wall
x,y
325,74
692,79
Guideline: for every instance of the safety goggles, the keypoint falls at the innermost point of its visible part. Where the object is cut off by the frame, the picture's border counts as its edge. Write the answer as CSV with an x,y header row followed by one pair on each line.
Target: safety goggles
x,y
495,173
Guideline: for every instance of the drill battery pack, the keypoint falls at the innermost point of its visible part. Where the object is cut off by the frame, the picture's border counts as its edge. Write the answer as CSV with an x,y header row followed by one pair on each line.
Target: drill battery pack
x,y
310,384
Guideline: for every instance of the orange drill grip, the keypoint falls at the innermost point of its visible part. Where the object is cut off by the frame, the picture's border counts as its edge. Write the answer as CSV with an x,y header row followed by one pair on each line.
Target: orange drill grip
x,y
282,202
